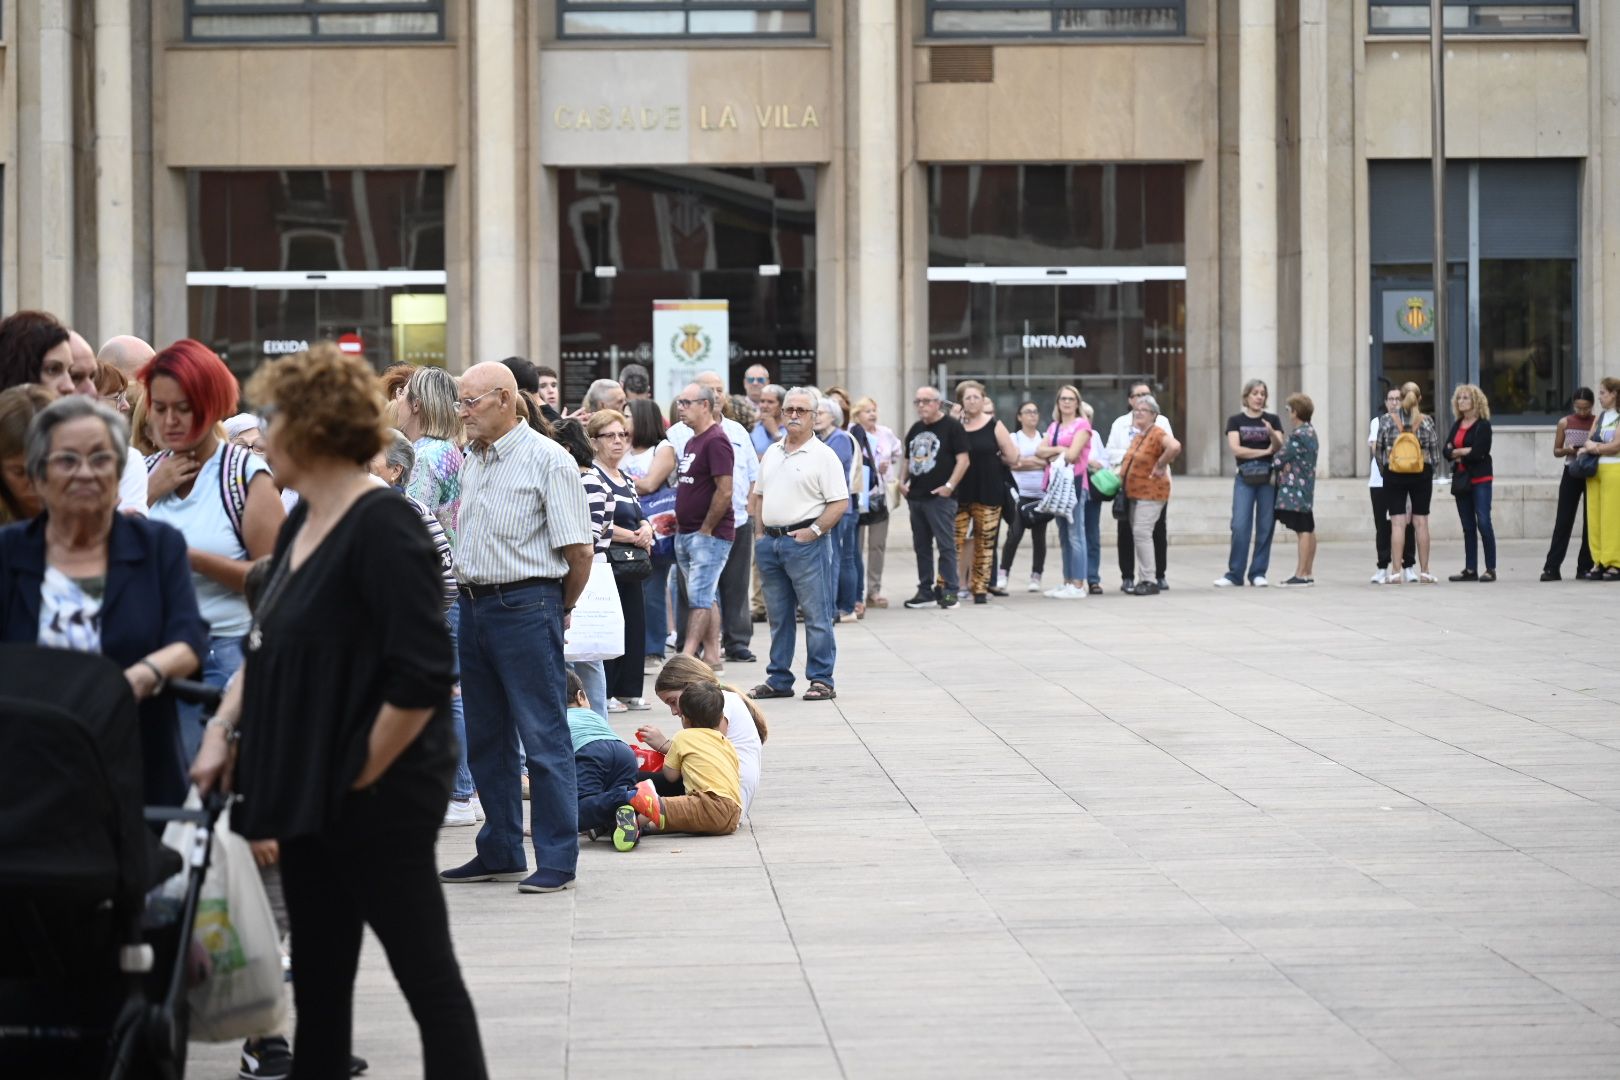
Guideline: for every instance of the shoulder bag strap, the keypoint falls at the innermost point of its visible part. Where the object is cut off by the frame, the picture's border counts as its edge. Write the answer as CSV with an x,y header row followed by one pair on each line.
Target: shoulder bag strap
x,y
233,484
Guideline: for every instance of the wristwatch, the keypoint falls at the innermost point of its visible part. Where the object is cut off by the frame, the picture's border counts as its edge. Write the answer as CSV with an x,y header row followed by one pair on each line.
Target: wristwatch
x,y
815,527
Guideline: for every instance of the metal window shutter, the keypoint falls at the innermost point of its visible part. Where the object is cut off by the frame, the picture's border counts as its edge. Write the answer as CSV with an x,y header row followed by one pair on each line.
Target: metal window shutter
x,y
1401,209
1529,210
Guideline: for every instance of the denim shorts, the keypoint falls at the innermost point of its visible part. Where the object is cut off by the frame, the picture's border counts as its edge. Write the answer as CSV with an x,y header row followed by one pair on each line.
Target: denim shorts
x,y
701,558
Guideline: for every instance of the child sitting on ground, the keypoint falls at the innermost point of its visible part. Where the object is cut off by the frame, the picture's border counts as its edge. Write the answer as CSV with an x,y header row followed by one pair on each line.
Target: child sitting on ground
x,y
605,768
706,763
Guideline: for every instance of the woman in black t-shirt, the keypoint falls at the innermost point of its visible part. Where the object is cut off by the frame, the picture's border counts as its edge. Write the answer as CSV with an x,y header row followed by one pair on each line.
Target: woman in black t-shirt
x,y
980,495
1254,436
343,707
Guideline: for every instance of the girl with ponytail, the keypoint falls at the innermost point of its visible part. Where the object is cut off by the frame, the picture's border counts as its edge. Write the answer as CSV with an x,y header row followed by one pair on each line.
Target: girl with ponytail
x,y
744,726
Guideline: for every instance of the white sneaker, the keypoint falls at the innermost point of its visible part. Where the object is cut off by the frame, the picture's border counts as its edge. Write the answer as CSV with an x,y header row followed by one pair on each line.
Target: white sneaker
x,y
478,806
653,665
1067,592
1224,582
670,640
460,812
1055,592
1001,580
1034,583
1259,581
1411,575
1380,577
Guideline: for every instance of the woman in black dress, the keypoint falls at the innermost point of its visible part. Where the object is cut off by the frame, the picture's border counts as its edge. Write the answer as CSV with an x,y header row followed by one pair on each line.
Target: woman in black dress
x,y
343,713
610,433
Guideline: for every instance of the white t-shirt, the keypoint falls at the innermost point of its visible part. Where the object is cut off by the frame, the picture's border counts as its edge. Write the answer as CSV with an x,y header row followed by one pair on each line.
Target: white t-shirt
x,y
1375,479
132,484
744,738
1031,483
202,519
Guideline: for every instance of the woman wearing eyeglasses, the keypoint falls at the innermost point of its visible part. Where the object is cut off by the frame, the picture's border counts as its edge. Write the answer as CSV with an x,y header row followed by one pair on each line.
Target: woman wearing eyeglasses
x,y
84,577
610,434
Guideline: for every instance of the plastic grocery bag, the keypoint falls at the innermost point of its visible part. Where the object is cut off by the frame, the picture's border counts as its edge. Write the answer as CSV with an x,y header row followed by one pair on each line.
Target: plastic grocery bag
x,y
596,631
243,994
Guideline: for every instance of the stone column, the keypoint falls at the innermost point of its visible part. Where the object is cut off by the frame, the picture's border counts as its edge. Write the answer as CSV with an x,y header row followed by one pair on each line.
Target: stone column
x,y
1313,207
872,360
499,326
115,171
1602,252
45,257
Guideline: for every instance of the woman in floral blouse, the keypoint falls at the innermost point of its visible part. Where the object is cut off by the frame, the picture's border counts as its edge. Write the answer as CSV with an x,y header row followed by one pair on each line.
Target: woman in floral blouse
x,y
1296,486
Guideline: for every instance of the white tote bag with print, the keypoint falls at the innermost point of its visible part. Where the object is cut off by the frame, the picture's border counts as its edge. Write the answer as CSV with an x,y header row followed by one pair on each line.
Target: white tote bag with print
x,y
597,629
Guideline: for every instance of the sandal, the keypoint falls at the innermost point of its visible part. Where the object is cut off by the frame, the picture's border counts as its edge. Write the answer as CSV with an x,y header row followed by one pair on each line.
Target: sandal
x,y
877,601
820,691
765,691
1612,574
1426,578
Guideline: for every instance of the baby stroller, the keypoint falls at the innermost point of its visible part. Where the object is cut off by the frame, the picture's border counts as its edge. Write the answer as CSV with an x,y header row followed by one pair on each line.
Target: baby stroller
x,y
87,988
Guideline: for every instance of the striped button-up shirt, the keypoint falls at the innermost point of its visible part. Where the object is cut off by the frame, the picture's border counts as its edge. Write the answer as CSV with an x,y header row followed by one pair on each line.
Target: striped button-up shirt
x,y
521,503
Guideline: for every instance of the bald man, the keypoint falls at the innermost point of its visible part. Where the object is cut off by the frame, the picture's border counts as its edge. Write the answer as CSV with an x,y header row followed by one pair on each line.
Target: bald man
x,y
523,556
82,370
127,354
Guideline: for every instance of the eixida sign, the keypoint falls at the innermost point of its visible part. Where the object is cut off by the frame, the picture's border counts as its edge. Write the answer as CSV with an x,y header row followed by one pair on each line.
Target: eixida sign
x,y
721,117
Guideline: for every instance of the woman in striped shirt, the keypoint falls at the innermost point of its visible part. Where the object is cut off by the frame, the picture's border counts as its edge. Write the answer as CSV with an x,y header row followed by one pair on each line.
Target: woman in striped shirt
x,y
570,434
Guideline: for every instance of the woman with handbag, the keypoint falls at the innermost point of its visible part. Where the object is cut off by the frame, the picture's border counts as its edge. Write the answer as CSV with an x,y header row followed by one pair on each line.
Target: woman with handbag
x,y
1029,474
1145,472
1254,436
1468,448
571,436
1068,445
1599,459
630,553
1568,438
651,463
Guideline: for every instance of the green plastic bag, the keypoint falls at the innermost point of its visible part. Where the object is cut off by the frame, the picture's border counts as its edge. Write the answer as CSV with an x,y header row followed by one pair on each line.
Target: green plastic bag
x,y
1105,482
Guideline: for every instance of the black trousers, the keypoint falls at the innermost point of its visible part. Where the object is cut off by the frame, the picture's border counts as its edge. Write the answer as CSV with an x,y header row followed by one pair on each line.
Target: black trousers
x,y
1127,546
627,673
1016,529
1571,493
375,866
736,578
1380,508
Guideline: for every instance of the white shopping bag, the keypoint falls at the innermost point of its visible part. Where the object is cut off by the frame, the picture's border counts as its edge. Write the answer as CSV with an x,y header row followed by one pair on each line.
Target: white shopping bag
x,y
243,994
596,631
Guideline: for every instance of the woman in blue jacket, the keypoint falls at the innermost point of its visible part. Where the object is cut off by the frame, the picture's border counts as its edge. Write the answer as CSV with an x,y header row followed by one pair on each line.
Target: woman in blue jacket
x,y
84,577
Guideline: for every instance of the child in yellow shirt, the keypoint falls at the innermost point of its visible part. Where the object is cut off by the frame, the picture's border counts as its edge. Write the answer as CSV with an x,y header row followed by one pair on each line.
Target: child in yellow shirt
x,y
704,760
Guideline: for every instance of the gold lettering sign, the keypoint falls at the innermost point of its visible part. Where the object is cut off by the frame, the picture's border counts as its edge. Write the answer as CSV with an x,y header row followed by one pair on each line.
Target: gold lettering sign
x,y
718,116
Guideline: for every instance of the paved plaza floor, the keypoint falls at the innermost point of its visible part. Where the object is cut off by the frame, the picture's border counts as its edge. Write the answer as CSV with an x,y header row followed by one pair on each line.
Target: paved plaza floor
x,y
1344,831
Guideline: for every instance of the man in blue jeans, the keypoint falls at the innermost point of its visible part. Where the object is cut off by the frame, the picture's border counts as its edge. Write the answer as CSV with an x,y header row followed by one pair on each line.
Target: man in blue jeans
x,y
799,498
523,555
705,522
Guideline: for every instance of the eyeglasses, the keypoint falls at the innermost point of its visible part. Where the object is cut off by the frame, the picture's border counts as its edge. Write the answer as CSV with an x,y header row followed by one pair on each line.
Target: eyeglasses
x,y
796,410
758,380
687,403
118,401
925,401
67,462
469,402
614,435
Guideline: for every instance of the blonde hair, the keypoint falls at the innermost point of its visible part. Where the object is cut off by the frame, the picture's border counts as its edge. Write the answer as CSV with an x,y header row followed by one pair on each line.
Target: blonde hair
x,y
140,435
681,671
1079,400
1482,404
860,406
1411,399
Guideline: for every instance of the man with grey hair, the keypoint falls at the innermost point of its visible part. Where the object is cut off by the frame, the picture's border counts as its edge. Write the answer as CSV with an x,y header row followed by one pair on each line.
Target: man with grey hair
x,y
132,477
936,460
636,381
800,497
603,394
705,525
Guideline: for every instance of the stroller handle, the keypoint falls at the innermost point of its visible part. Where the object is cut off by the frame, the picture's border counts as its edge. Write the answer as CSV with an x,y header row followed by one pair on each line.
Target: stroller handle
x,y
196,693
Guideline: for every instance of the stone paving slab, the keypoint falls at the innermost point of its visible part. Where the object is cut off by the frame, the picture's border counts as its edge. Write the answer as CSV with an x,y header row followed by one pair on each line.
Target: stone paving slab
x,y
1346,832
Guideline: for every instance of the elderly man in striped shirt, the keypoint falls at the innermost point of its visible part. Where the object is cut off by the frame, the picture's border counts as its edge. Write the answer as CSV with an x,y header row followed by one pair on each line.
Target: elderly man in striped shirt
x,y
523,556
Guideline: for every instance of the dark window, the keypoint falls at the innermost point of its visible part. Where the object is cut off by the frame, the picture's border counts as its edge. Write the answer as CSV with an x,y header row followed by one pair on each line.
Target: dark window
x,y
1477,16
1032,18
325,20
685,18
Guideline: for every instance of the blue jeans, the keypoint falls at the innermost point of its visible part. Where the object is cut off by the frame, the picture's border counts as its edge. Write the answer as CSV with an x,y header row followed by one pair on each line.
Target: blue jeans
x,y
1475,511
1094,507
223,659
850,584
513,683
594,677
795,576
1254,508
463,786
1072,537
606,770
701,558
655,599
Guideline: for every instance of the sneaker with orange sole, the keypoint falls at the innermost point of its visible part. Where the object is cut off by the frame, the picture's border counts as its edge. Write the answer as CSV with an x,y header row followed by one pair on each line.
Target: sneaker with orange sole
x,y
648,804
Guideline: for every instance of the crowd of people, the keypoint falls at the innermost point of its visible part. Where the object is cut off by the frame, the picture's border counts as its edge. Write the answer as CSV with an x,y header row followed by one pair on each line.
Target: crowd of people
x,y
382,573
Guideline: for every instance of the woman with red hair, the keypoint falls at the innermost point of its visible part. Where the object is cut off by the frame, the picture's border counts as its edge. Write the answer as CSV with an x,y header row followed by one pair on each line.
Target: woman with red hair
x,y
220,496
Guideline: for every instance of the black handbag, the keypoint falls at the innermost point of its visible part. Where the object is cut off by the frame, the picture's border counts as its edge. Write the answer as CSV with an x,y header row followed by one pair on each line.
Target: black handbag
x,y
1582,466
1254,472
1122,505
630,562
1460,484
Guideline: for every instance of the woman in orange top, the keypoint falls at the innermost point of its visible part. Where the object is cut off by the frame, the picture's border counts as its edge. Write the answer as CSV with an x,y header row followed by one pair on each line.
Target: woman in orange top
x,y
1146,474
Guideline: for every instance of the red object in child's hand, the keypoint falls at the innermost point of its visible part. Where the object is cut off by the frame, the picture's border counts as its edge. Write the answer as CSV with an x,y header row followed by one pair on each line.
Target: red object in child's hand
x,y
647,759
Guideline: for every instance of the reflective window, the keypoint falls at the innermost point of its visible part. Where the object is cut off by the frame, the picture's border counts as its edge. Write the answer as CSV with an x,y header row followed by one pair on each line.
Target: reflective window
x,y
1477,16
1095,18
327,20
632,236
693,18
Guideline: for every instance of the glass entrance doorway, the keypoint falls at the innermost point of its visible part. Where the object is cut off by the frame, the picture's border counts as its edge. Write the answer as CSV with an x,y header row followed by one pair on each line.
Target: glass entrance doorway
x,y
387,317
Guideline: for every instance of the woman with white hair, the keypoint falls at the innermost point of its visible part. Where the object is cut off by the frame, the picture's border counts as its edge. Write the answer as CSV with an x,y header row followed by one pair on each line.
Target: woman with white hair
x,y
844,553
1145,473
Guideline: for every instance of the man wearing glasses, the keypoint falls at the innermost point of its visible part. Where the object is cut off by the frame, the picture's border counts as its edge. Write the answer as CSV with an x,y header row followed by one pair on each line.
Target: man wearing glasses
x,y
523,555
936,459
1119,441
755,380
800,496
705,525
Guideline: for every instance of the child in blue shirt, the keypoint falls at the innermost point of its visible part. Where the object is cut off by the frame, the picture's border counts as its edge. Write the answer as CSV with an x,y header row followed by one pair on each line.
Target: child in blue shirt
x,y
605,769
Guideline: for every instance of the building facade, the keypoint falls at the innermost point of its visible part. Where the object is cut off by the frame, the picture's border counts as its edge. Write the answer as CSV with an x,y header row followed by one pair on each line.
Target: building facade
x,y
882,192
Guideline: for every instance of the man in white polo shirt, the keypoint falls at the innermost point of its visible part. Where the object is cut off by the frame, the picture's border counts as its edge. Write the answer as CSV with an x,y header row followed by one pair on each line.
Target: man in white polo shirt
x,y
800,495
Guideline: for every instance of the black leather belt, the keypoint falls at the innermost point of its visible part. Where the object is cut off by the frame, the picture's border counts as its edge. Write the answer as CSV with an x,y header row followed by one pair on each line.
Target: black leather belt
x,y
478,592
785,530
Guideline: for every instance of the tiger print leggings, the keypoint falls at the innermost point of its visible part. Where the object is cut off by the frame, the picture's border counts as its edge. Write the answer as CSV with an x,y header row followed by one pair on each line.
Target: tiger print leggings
x,y
986,524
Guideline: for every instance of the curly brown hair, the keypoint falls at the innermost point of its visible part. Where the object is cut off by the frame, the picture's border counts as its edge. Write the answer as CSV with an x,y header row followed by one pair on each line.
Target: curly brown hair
x,y
330,404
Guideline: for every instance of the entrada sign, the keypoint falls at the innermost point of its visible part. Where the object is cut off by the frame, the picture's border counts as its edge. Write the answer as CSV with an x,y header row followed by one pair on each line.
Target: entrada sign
x,y
1054,341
